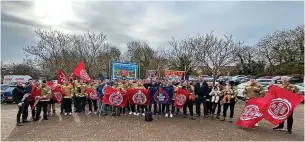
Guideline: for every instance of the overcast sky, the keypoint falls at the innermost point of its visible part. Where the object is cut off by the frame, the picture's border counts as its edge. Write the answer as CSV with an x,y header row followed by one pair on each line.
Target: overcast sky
x,y
153,22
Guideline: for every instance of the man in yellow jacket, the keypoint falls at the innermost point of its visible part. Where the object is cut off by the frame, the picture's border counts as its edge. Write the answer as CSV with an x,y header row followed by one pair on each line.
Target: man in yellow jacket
x,y
44,98
67,98
80,94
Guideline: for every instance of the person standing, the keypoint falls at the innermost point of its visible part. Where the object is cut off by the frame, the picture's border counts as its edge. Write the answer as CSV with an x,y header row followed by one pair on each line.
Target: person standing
x,y
28,91
209,100
18,95
80,92
232,92
91,89
201,90
67,98
189,103
290,87
44,98
215,100
253,90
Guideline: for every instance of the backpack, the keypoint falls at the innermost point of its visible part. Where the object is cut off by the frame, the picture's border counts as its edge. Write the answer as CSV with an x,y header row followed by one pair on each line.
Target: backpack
x,y
148,116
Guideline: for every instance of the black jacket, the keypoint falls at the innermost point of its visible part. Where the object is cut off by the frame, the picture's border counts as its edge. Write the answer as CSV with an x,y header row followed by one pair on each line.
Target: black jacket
x,y
18,93
203,91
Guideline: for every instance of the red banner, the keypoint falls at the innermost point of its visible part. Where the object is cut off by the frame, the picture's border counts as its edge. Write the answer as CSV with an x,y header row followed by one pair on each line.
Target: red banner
x,y
61,76
115,97
281,105
57,94
181,98
81,72
253,112
138,96
171,73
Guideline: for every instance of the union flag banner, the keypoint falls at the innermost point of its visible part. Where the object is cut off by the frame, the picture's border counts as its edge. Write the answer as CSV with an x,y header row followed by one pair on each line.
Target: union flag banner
x,y
161,95
181,98
253,112
61,76
138,96
281,105
81,72
115,97
57,94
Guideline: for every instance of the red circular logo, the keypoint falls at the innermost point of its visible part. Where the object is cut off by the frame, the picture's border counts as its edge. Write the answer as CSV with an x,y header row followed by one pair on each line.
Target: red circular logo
x,y
139,98
279,108
116,99
250,112
180,99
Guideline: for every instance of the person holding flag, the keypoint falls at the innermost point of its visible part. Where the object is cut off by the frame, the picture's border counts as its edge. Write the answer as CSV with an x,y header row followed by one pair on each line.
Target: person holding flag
x,y
90,90
291,88
67,98
253,90
80,94
44,98
189,102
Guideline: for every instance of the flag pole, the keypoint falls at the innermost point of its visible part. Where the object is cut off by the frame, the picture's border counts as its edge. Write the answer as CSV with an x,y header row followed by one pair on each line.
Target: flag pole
x,y
109,74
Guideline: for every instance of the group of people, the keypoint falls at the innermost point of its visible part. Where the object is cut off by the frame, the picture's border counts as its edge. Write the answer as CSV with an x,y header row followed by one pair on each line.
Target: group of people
x,y
220,96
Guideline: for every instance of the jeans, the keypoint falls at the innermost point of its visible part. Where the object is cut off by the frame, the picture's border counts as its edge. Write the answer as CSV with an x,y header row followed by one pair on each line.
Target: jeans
x,y
21,110
43,105
81,104
218,106
66,105
226,106
289,122
198,102
31,103
94,102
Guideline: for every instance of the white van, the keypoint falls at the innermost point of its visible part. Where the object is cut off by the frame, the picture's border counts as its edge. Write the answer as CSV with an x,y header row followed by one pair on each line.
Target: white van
x,y
8,79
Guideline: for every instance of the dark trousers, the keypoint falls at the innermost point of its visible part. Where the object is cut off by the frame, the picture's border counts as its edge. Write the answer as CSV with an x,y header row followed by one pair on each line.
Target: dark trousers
x,y
44,106
140,108
133,108
174,109
149,107
81,104
190,105
22,110
156,107
226,106
289,123
66,105
165,108
25,111
198,102
31,103
209,107
62,105
214,106
94,102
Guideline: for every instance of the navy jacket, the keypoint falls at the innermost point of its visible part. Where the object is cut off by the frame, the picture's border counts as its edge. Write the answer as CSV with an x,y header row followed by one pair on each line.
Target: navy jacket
x,y
202,91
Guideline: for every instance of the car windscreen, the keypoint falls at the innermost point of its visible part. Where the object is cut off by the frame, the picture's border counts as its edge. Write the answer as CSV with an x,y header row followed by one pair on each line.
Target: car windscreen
x,y
4,87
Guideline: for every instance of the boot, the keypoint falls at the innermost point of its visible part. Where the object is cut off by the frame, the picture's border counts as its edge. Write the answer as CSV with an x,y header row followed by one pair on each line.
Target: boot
x,y
217,117
192,118
230,120
223,119
19,124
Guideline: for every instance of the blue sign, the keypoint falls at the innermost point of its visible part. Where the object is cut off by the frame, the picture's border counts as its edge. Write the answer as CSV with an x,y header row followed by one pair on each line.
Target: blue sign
x,y
124,70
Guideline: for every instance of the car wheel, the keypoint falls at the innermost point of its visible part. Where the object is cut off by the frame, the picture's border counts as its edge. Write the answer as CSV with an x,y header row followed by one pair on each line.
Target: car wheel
x,y
2,99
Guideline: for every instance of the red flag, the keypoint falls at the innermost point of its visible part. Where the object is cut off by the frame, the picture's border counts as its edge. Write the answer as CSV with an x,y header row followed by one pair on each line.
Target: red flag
x,y
50,84
138,96
93,96
61,76
115,97
181,98
281,105
35,103
81,72
253,112
57,94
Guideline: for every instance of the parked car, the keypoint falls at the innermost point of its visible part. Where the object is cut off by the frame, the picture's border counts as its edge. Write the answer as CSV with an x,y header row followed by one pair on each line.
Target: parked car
x,y
265,82
265,77
244,80
276,78
302,89
6,92
295,80
240,90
